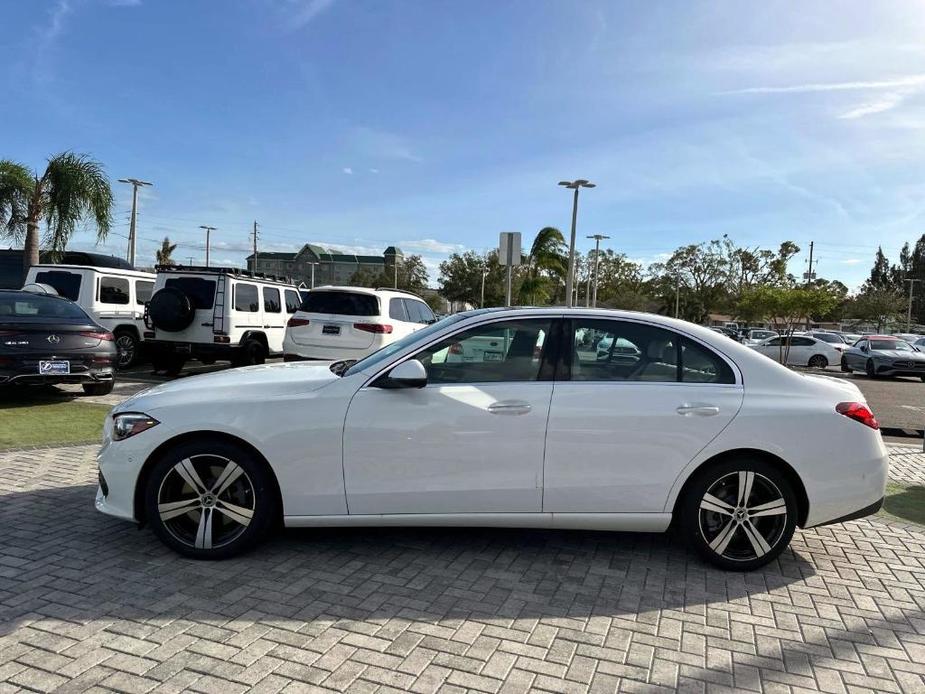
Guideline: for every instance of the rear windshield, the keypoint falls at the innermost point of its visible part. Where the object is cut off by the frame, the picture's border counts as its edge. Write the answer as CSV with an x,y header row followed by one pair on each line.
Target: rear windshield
x,y
200,291
341,303
67,284
35,306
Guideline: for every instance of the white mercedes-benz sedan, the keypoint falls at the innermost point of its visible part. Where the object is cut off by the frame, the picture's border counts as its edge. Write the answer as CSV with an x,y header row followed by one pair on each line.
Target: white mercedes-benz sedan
x,y
533,426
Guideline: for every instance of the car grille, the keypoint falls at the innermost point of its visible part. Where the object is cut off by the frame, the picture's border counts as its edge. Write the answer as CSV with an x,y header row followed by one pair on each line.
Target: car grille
x,y
909,365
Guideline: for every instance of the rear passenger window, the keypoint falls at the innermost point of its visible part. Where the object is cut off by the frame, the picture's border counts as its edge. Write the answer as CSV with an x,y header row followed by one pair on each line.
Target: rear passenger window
x,y
245,298
701,365
113,290
293,300
67,284
271,300
418,311
143,291
609,350
397,310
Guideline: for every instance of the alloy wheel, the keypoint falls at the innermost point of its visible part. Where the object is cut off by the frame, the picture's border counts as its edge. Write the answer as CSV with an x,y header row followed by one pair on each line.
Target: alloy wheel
x,y
125,344
206,501
743,516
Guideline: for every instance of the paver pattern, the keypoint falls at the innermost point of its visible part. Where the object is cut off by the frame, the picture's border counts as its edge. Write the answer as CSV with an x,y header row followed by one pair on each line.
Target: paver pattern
x,y
88,602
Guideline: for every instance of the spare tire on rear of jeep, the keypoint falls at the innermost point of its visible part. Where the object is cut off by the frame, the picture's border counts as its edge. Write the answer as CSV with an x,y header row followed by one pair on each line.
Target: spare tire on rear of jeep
x,y
171,309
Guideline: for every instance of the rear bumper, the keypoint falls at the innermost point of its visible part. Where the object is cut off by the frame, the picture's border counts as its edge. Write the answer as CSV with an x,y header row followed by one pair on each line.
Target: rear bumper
x,y
96,367
292,351
190,350
855,515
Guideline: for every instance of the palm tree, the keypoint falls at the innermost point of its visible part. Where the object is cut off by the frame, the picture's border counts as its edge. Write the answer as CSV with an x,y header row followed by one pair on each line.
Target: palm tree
x,y
165,251
547,263
72,188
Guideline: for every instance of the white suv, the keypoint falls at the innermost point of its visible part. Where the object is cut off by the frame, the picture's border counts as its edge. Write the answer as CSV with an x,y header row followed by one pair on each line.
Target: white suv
x,y
337,323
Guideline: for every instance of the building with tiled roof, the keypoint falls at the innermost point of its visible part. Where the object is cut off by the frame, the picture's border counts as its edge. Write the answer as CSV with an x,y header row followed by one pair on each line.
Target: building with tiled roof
x,y
328,266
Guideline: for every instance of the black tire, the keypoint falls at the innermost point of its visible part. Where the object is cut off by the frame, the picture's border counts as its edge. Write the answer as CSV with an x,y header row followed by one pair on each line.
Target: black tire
x,y
741,550
251,352
818,361
171,309
170,364
869,369
236,517
127,346
923,378
104,388
844,366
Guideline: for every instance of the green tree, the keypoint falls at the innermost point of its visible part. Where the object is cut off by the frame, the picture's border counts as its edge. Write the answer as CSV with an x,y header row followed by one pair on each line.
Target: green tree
x,y
164,254
880,306
72,188
547,266
461,278
412,276
880,272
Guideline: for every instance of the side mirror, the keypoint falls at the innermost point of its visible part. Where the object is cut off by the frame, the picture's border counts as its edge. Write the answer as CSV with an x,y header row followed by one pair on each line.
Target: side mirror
x,y
408,374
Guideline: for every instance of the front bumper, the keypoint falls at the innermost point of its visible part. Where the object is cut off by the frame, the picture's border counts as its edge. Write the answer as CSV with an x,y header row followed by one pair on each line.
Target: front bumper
x,y
890,369
119,464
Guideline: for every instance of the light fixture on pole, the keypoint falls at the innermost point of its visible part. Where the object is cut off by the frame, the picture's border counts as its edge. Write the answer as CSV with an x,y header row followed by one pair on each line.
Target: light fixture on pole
x,y
570,277
209,231
911,282
597,250
136,184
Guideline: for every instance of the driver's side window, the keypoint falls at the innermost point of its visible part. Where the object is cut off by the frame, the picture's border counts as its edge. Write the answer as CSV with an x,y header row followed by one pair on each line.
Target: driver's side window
x,y
495,352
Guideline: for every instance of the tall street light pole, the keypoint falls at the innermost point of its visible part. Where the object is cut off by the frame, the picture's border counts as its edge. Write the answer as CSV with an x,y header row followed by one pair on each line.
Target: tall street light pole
x,y
597,250
482,299
570,278
909,312
209,231
136,183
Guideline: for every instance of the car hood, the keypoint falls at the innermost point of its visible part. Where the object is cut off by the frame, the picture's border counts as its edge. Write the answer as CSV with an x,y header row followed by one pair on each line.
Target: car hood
x,y
896,354
252,382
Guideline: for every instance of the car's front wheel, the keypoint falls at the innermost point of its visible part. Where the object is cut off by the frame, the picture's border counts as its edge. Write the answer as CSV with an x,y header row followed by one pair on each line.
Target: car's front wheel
x,y
103,388
844,365
739,514
210,499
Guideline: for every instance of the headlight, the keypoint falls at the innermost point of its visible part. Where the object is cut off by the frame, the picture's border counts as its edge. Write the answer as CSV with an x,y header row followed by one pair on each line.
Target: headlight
x,y
128,424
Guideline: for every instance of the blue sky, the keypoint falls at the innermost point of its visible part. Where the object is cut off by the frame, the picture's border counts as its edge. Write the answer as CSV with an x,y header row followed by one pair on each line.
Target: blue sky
x,y
435,125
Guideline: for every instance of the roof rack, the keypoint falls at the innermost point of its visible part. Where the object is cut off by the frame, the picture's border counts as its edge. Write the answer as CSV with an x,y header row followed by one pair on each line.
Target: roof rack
x,y
400,291
238,272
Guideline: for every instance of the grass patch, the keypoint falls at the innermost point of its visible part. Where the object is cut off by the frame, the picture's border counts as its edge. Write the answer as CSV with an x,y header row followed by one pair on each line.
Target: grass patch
x,y
50,423
905,502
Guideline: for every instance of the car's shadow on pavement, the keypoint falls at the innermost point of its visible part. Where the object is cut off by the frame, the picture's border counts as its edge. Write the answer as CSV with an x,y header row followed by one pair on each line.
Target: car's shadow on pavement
x,y
59,556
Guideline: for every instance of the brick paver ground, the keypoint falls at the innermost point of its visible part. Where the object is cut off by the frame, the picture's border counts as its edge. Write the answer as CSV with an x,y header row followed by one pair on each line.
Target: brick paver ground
x,y
89,602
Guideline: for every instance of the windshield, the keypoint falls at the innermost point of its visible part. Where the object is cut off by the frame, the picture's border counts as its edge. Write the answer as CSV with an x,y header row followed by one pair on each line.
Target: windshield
x,y
381,355
896,345
829,337
27,307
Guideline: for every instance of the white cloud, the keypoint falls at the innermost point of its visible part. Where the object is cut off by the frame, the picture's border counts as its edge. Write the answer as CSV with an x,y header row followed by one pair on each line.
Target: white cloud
x,y
851,261
380,144
884,103
899,82
432,246
303,12
123,3
347,170
47,36
374,171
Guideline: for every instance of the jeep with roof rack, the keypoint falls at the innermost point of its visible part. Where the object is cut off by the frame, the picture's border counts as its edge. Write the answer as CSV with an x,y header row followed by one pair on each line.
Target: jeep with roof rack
x,y
216,314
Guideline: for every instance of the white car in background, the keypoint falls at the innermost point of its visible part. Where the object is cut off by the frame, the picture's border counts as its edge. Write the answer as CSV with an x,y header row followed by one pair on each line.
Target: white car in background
x,y
342,323
834,339
755,336
697,430
804,351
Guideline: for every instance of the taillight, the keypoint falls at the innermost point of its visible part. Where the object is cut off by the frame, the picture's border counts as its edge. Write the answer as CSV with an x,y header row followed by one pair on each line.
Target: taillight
x,y
859,412
374,327
297,322
456,348
106,337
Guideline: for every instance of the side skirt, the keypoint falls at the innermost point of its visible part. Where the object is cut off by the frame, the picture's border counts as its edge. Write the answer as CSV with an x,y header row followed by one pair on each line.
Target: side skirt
x,y
624,522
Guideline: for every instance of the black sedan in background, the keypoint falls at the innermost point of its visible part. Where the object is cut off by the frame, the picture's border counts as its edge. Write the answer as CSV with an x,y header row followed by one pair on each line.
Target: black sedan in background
x,y
47,339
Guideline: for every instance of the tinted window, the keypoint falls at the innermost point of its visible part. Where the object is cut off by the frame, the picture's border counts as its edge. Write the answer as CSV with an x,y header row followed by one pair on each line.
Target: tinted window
x,y
418,311
341,303
27,306
113,290
496,352
701,365
774,343
67,284
200,291
801,342
245,298
898,345
607,350
427,316
271,300
397,309
829,337
293,300
143,292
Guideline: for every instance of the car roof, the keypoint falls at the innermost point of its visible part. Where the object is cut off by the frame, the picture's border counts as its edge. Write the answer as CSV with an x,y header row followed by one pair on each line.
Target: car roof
x,y
372,291
19,292
882,337
140,274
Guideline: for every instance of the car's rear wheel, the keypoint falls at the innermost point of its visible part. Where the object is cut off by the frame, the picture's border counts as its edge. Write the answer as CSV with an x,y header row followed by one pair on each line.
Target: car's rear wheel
x,y
127,346
104,388
818,361
210,499
739,514
250,353
170,364
869,369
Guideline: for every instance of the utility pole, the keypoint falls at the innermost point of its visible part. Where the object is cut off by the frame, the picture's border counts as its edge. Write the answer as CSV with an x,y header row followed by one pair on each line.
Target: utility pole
x,y
209,231
396,270
136,183
313,274
911,282
191,259
482,299
570,277
254,268
809,275
597,251
677,296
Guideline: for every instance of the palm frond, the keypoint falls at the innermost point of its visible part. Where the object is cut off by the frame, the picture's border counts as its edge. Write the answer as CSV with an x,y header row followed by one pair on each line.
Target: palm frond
x,y
17,185
75,187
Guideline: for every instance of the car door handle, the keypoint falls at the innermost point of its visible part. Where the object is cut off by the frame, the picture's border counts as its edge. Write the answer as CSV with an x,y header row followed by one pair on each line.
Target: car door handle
x,y
697,410
510,407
